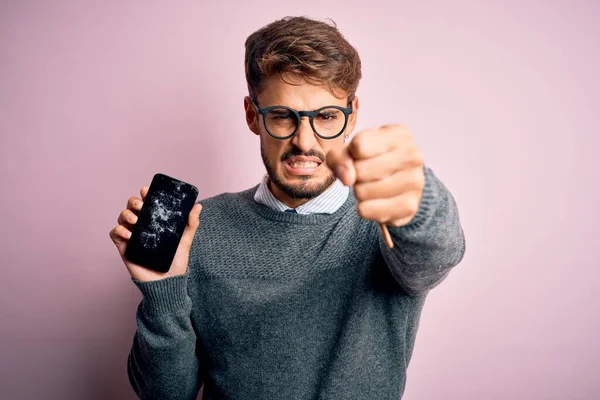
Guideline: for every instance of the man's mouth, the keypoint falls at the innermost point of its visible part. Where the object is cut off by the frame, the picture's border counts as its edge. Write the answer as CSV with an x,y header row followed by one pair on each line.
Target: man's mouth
x,y
308,164
302,165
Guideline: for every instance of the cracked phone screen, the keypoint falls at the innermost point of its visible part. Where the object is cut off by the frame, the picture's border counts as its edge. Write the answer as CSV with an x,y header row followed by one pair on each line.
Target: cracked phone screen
x,y
161,223
165,217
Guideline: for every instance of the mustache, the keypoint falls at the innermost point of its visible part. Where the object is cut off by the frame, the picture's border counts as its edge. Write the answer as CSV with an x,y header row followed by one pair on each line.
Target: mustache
x,y
297,152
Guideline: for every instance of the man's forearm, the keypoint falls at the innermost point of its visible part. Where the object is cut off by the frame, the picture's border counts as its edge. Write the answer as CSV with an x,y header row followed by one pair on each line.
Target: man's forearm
x,y
431,244
162,363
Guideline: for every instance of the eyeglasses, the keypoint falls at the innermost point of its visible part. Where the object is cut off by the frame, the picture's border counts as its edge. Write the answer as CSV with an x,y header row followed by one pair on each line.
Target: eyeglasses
x,y
282,122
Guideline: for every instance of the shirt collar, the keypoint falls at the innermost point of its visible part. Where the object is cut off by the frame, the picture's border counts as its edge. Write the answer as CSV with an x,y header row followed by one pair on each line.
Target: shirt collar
x,y
327,202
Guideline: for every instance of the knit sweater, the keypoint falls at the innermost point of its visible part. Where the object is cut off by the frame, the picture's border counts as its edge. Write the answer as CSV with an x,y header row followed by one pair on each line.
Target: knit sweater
x,y
279,305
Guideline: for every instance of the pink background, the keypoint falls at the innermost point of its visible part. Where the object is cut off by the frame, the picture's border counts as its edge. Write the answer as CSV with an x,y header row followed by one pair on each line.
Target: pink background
x,y
504,101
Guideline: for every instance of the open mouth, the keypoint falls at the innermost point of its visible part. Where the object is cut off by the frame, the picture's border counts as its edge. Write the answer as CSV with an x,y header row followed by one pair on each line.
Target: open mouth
x,y
300,165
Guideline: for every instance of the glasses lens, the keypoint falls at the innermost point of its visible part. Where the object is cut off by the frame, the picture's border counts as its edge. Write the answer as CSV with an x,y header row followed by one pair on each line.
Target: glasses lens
x,y
329,122
281,122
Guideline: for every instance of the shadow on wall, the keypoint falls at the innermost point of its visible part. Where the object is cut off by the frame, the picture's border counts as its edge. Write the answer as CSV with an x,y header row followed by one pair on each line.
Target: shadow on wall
x,y
106,357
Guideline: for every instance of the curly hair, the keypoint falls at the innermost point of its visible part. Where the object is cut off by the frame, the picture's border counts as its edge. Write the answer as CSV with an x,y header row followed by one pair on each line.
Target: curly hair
x,y
314,50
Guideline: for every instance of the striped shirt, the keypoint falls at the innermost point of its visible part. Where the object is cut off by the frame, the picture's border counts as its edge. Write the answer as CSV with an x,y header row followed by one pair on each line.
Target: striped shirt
x,y
327,202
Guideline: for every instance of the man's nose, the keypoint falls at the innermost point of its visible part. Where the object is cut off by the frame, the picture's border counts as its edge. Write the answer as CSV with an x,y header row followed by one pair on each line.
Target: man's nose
x,y
305,138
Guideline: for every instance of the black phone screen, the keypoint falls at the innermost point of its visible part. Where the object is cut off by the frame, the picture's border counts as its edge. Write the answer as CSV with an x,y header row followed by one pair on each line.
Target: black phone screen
x,y
161,222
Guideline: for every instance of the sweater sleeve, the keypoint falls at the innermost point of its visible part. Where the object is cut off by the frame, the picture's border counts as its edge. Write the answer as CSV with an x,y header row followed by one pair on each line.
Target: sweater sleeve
x,y
162,363
430,244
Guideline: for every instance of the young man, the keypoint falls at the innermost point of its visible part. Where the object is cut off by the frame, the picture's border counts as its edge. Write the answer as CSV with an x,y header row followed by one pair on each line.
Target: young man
x,y
287,290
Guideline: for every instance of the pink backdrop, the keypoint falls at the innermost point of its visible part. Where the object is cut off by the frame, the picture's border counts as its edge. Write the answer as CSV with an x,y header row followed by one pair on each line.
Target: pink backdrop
x,y
504,101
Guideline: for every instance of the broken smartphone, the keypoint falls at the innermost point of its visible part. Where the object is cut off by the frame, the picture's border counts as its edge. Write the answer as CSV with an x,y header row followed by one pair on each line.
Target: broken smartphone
x,y
161,222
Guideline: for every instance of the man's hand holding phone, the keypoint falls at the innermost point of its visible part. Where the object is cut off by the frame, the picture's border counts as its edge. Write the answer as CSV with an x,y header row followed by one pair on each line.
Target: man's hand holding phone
x,y
121,234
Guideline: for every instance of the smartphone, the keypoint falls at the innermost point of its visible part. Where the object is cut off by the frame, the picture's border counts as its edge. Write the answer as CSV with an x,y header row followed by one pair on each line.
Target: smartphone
x,y
161,222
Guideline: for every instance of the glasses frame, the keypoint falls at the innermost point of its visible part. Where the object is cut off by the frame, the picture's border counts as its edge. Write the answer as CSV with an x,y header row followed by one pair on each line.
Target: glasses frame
x,y
299,114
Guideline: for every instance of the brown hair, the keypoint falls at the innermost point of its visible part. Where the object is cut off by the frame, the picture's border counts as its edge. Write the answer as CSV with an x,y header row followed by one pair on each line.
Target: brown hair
x,y
314,50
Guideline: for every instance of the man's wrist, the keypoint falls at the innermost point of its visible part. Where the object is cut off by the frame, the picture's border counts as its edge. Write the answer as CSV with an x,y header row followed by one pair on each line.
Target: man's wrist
x,y
427,204
164,295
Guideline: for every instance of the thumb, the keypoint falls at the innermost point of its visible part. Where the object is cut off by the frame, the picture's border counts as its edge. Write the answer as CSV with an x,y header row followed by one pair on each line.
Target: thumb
x,y
342,165
192,226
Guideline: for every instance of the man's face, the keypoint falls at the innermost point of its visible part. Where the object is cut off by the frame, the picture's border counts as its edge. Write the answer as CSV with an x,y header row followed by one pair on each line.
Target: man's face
x,y
296,166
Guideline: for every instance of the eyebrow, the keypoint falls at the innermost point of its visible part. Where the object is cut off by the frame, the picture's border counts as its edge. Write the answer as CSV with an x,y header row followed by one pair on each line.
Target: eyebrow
x,y
313,109
280,111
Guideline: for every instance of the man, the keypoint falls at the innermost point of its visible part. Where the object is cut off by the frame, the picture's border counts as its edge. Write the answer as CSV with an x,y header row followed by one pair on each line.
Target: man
x,y
287,290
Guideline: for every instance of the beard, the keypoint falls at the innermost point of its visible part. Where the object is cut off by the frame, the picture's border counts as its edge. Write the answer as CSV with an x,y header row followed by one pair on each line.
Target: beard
x,y
305,189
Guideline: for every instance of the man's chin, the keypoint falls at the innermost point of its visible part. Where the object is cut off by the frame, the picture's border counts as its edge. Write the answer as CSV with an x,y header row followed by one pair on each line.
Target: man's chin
x,y
296,179
304,187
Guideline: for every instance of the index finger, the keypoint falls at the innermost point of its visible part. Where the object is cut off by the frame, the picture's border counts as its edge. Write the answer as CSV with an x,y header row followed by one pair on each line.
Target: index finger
x,y
144,192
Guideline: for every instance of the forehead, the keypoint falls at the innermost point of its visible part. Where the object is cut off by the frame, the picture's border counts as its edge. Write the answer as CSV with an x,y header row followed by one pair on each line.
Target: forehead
x,y
293,91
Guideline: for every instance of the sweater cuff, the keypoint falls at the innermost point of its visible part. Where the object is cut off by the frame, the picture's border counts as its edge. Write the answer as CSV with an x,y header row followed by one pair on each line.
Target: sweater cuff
x,y
165,295
427,205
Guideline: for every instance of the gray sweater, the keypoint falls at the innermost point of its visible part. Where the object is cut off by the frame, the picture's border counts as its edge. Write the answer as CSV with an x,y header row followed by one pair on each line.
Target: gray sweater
x,y
285,306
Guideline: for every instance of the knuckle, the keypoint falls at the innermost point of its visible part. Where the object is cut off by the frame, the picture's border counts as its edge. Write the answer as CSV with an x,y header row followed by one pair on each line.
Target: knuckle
x,y
131,218
417,160
357,146
362,210
421,182
418,155
411,205
399,129
123,216
360,192
417,178
124,232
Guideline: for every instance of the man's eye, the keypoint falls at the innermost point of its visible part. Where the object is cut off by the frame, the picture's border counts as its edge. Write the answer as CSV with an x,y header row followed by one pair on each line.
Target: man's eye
x,y
327,116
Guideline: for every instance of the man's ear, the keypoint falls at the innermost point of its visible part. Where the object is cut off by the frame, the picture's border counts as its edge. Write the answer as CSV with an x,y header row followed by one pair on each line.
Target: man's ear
x,y
251,116
353,117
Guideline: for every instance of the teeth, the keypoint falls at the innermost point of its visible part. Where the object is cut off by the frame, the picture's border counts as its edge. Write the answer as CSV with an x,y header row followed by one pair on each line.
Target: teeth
x,y
309,164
